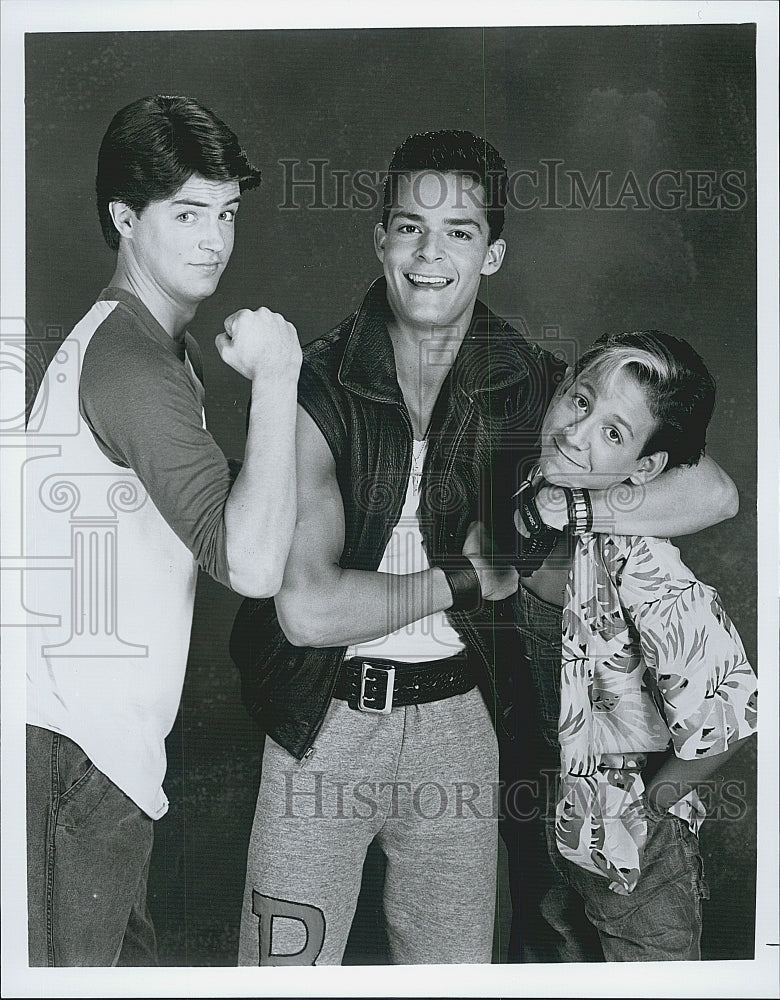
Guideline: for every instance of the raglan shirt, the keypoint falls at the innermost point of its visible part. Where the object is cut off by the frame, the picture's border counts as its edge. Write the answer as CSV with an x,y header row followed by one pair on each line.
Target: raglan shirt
x,y
142,397
125,497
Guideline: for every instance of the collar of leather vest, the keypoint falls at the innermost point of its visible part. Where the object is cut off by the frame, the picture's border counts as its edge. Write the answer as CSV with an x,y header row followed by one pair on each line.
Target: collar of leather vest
x,y
490,358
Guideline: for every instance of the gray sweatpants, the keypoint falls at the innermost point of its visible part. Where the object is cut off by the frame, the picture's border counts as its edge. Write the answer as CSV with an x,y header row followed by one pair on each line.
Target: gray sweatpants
x,y
424,782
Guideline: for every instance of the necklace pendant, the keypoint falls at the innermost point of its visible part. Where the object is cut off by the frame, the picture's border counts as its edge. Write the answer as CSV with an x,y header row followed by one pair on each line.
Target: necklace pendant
x,y
419,449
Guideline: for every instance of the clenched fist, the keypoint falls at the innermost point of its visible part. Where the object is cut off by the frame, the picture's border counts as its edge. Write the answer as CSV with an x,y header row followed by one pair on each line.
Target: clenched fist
x,y
260,344
496,580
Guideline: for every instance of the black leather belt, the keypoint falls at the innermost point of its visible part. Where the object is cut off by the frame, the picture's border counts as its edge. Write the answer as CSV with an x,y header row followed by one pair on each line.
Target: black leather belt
x,y
370,684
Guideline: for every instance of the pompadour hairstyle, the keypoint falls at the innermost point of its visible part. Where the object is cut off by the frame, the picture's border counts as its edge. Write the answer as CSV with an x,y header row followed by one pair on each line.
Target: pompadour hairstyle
x,y
453,151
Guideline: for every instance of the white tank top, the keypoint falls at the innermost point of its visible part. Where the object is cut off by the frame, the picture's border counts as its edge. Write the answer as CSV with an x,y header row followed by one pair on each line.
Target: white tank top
x,y
429,638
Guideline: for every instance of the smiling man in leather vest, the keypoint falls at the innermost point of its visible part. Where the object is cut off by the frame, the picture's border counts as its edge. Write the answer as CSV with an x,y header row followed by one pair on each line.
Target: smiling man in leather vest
x,y
373,673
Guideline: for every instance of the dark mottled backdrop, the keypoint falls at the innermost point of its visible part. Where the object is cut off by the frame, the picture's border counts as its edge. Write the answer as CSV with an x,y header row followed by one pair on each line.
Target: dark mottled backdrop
x,y
631,101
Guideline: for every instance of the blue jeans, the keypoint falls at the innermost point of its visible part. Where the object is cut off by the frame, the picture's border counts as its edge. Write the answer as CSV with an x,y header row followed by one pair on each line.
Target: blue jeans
x,y
560,911
660,921
88,853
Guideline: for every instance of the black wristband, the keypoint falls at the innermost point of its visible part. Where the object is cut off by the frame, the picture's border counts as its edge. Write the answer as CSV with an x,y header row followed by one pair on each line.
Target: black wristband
x,y
529,512
463,582
578,509
533,550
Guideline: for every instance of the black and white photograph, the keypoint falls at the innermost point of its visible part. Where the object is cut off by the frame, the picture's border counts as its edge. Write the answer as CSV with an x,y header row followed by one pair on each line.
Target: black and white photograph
x,y
388,455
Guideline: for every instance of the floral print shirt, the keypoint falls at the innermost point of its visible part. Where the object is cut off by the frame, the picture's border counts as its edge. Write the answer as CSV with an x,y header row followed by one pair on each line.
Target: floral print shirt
x,y
649,658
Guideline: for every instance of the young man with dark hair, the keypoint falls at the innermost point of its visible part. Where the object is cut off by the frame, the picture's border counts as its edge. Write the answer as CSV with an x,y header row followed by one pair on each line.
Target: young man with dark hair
x,y
151,500
640,687
373,672
480,171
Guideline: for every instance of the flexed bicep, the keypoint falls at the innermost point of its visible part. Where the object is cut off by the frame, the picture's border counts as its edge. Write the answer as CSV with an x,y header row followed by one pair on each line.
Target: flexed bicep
x,y
322,603
312,570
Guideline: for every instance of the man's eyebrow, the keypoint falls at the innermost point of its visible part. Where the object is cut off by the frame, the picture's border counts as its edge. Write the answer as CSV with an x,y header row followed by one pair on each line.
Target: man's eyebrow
x,y
416,217
462,222
615,417
204,204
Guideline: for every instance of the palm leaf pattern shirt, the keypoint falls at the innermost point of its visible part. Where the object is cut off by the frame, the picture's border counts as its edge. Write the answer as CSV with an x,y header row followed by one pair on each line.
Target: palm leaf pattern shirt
x,y
649,659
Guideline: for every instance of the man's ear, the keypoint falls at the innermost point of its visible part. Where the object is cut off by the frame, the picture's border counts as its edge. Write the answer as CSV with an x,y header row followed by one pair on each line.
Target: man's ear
x,y
494,257
123,218
380,235
649,467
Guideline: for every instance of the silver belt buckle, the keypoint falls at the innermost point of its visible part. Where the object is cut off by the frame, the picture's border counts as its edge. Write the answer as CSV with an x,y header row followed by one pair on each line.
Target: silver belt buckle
x,y
389,674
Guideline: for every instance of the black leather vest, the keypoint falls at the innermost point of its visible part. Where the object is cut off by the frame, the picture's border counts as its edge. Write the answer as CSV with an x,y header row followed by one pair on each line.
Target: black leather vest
x,y
483,436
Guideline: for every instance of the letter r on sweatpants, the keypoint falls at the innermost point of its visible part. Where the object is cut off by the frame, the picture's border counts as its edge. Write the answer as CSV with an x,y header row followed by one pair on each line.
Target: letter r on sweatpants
x,y
266,908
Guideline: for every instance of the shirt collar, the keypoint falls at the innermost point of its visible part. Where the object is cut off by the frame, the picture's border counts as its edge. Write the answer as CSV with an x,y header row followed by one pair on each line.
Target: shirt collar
x,y
491,356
